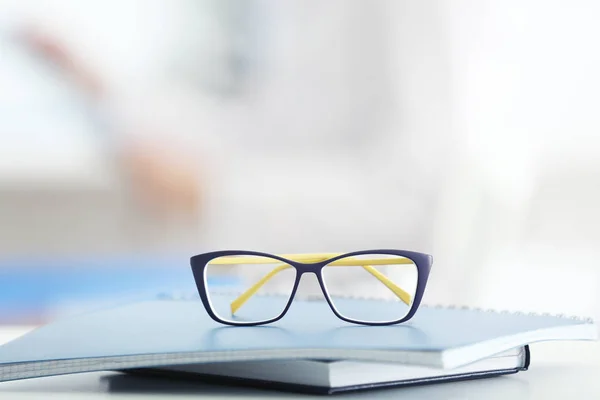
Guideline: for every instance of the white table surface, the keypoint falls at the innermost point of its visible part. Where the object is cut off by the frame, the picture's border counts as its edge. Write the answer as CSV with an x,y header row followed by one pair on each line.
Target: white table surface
x,y
558,370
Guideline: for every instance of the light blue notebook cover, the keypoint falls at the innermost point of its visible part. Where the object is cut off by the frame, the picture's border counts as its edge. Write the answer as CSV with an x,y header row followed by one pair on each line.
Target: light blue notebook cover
x,y
167,332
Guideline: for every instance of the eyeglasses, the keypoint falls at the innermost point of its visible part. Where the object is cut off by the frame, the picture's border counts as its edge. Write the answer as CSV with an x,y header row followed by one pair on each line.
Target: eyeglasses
x,y
402,274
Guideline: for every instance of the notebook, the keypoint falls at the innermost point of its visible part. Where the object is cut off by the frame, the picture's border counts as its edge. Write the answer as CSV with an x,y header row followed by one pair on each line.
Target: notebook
x,y
336,376
171,332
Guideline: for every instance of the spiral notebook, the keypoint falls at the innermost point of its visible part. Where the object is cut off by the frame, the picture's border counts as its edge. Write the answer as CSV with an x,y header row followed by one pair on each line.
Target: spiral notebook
x,y
335,376
166,332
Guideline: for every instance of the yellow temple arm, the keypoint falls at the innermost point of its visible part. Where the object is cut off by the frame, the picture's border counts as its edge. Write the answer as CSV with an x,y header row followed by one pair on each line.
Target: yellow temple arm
x,y
366,264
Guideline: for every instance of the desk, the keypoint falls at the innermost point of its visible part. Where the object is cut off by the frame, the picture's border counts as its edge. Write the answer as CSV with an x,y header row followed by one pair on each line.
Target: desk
x,y
558,371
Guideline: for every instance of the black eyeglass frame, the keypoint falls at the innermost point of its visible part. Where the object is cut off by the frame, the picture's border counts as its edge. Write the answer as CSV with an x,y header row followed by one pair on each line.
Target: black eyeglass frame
x,y
422,261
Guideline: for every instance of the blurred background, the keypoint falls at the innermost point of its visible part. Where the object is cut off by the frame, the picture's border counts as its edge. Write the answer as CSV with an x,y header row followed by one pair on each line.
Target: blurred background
x,y
134,134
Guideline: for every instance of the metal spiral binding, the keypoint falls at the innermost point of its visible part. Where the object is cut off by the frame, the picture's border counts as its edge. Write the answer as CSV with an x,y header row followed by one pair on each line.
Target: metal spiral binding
x,y
585,319
176,296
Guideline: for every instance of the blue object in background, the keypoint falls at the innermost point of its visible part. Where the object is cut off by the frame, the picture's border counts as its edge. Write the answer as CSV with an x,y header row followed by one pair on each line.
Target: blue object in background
x,y
33,288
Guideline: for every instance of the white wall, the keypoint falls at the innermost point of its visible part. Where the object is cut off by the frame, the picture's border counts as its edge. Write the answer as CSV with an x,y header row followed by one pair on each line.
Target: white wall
x,y
493,104
524,98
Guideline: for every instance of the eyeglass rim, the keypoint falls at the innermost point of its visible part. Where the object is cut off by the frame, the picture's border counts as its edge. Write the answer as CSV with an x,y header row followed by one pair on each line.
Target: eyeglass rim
x,y
199,262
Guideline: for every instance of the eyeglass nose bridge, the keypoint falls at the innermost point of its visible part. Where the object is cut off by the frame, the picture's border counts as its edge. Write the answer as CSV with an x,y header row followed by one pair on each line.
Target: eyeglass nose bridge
x,y
308,268
310,290
314,268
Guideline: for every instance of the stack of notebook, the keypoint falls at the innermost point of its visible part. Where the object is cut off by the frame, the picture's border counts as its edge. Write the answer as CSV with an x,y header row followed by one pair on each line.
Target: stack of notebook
x,y
176,338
